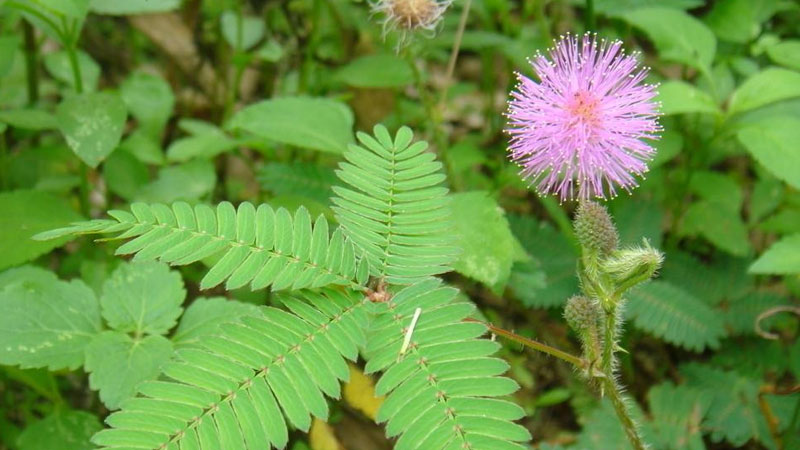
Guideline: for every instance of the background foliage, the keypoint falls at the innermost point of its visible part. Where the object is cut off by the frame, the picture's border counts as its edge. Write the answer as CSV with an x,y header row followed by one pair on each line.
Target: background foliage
x,y
105,103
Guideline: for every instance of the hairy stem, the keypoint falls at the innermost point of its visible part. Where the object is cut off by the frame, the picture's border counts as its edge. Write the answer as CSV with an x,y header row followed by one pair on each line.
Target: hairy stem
x,y
631,431
544,348
609,341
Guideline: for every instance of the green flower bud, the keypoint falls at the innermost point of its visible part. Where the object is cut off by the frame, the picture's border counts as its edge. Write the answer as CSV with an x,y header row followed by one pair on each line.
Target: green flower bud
x,y
632,266
595,230
582,314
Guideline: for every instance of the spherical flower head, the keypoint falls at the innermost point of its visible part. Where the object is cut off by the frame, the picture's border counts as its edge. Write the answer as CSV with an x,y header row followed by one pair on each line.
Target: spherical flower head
x,y
578,132
410,15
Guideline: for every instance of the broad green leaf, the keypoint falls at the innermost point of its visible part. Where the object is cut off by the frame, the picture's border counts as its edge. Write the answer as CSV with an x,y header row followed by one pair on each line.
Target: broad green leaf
x,y
720,225
786,53
189,181
739,20
483,234
620,7
668,146
204,317
117,363
92,124
782,258
144,147
557,257
149,99
678,36
75,9
62,430
679,97
125,174
766,196
205,141
128,7
765,87
29,119
143,298
315,123
26,213
717,188
8,51
773,143
672,314
45,322
785,221
57,63
252,30
376,71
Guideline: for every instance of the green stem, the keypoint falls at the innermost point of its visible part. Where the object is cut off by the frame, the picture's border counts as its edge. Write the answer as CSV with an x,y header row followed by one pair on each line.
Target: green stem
x,y
451,64
84,189
623,414
31,68
590,21
72,54
544,348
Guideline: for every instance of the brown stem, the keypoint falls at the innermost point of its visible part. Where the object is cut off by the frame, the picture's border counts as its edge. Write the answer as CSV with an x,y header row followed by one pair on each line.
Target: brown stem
x,y
544,348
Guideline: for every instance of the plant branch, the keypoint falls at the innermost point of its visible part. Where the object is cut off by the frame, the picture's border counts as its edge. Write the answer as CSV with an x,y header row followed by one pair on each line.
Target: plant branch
x,y
544,348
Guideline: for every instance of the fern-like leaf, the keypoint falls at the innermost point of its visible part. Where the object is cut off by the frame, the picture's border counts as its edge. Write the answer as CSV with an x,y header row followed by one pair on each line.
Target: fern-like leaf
x,y
675,316
234,391
440,386
395,207
260,246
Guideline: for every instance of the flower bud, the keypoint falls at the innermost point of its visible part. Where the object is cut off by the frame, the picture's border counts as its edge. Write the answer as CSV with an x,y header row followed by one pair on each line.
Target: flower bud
x,y
632,266
595,230
582,313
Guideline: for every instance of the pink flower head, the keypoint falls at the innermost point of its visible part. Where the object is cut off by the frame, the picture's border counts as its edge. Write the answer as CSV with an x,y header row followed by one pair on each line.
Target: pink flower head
x,y
582,124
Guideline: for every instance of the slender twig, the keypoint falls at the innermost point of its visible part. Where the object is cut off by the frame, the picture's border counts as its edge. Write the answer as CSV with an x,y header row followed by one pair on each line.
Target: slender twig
x,y
451,64
769,313
544,348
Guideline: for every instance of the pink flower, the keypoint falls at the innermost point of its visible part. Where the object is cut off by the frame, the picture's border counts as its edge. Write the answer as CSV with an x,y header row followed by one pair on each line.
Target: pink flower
x,y
580,127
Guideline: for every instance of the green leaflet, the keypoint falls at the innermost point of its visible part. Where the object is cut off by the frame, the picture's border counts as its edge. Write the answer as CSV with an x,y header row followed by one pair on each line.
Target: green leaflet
x,y
395,207
234,390
440,390
257,246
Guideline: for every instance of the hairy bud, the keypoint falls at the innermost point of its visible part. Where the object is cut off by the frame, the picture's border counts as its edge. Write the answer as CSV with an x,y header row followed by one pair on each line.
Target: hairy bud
x,y
595,230
582,313
630,267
